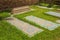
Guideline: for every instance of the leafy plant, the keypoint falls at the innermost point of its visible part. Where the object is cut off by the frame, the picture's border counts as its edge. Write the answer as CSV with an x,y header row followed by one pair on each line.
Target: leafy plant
x,y
43,4
56,6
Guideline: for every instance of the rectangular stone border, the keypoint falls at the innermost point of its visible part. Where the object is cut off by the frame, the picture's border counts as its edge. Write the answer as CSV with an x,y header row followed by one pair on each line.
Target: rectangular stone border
x,y
53,14
20,23
44,7
24,12
37,22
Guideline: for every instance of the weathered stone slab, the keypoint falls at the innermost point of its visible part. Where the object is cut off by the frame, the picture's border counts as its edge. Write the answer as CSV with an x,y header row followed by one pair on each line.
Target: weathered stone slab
x,y
25,27
42,22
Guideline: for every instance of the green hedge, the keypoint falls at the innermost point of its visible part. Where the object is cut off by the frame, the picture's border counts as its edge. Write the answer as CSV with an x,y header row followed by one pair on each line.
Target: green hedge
x,y
56,6
44,4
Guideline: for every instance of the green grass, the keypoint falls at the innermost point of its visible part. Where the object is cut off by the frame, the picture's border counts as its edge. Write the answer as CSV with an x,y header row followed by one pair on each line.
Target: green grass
x,y
10,32
44,4
39,12
4,14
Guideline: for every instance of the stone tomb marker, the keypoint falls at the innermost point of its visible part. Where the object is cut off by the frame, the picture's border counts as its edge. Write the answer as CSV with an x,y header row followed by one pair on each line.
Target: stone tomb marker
x,y
20,9
25,27
42,22
53,14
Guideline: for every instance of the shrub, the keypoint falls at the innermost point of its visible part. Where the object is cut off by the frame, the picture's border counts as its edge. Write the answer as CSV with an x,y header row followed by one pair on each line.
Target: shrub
x,y
44,4
56,6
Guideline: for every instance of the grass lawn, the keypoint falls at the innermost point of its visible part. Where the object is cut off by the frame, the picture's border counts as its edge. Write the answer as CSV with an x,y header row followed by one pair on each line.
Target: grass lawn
x,y
40,12
10,32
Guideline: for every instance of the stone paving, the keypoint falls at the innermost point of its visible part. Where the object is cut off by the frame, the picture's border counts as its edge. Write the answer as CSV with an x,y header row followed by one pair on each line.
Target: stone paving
x,y
44,7
42,22
25,27
23,12
53,14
